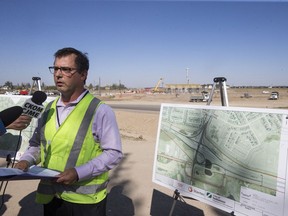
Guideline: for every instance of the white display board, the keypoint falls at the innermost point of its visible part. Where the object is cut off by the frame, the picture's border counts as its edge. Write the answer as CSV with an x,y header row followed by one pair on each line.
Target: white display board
x,y
9,141
232,158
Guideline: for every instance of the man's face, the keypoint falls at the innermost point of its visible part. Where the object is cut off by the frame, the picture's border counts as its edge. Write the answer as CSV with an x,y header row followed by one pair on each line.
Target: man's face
x,y
68,81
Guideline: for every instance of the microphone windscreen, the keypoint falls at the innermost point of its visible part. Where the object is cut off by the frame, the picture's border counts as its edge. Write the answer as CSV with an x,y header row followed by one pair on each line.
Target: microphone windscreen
x,y
2,128
39,97
10,115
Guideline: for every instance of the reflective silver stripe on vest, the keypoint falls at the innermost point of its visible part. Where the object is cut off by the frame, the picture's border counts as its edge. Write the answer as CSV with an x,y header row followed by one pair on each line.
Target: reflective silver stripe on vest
x,y
46,187
74,153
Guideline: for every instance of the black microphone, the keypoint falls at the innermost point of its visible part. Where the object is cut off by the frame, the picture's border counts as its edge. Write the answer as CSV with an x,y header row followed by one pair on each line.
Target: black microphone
x,y
33,106
8,116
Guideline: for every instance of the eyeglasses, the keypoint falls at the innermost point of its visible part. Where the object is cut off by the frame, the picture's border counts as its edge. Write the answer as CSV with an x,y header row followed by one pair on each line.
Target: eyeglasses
x,y
64,70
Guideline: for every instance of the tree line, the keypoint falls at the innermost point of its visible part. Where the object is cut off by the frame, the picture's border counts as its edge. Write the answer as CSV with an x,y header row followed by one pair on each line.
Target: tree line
x,y
10,86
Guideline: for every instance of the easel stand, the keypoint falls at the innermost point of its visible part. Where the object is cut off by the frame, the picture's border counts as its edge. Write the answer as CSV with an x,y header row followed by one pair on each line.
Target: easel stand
x,y
176,196
37,82
221,81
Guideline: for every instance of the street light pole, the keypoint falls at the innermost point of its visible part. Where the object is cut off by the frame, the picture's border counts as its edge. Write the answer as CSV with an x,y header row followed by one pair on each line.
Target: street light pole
x,y
187,78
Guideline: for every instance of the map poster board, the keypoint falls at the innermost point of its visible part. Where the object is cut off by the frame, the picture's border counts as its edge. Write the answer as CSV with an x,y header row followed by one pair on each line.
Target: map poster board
x,y
9,141
232,158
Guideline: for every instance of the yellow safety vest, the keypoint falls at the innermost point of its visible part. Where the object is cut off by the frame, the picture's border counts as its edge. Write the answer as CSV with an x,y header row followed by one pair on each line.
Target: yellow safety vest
x,y
71,145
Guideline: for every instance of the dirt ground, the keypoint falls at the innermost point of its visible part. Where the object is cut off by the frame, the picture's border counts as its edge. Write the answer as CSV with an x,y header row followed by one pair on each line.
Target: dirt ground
x,y
237,97
132,191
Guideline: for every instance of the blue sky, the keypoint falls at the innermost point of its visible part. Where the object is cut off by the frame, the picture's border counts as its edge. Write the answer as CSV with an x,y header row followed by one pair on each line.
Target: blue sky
x,y
136,43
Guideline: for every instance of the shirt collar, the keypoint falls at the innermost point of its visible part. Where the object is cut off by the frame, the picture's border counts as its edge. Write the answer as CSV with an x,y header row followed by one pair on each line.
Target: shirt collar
x,y
72,103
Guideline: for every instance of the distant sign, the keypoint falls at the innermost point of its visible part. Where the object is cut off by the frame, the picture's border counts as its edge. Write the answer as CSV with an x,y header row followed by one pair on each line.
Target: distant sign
x,y
234,159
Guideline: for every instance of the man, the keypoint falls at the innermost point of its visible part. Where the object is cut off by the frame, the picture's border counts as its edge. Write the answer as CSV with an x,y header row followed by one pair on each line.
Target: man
x,y
78,136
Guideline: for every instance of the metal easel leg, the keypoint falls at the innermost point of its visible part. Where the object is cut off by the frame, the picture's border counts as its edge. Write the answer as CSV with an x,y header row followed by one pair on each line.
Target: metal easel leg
x,y
176,196
224,100
223,90
36,81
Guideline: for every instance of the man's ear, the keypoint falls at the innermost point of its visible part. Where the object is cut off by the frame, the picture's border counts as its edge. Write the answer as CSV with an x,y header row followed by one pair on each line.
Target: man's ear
x,y
84,75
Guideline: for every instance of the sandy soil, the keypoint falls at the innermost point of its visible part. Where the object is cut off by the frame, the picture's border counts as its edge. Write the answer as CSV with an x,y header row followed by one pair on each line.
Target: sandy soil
x,y
132,191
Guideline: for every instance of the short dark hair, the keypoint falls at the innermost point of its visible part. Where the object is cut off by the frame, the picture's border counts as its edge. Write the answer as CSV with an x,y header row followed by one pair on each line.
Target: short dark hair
x,y
81,60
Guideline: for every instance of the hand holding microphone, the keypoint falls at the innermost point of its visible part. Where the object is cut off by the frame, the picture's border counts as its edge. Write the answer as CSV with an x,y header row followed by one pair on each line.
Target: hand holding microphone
x,y
11,118
33,106
8,116
20,123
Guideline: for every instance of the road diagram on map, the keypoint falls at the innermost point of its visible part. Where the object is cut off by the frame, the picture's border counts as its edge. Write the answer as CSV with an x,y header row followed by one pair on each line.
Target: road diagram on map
x,y
220,151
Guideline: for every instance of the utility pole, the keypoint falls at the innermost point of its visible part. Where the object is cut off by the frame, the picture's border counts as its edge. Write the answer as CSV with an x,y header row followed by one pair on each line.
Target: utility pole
x,y
120,86
99,87
187,77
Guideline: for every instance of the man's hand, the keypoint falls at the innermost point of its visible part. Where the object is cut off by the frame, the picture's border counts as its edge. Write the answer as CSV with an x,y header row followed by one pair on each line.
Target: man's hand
x,y
69,176
22,165
20,123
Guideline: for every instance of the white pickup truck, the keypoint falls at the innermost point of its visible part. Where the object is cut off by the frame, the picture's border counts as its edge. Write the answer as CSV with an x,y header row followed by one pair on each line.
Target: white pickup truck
x,y
274,96
200,98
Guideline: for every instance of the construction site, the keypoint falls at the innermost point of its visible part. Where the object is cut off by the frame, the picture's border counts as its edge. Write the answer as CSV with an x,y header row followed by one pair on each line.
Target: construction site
x,y
175,92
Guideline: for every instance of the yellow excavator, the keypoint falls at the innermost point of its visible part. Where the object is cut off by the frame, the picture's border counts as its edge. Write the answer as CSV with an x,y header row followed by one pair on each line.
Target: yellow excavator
x,y
156,88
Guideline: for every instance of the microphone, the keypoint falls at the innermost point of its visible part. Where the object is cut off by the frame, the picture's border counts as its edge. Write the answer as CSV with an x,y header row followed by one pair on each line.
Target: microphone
x,y
33,106
2,128
8,116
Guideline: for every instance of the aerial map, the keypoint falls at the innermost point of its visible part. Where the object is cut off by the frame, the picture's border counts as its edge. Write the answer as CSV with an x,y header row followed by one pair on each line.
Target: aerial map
x,y
231,158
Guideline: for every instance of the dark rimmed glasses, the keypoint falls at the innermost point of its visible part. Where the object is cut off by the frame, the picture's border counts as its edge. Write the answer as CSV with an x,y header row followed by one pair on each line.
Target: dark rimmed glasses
x,y
67,71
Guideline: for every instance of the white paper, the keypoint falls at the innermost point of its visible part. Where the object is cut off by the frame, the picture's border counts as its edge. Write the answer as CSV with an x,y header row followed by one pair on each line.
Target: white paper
x,y
34,172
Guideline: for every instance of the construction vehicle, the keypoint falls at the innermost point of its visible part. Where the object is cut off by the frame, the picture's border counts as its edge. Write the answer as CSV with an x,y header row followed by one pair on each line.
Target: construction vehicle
x,y
156,88
200,98
274,96
246,95
24,92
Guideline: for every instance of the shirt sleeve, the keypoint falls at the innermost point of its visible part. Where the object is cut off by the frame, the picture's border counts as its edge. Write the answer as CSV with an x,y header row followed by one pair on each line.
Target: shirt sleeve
x,y
105,130
32,154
